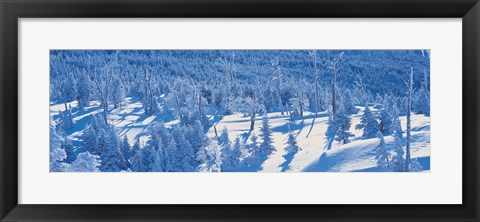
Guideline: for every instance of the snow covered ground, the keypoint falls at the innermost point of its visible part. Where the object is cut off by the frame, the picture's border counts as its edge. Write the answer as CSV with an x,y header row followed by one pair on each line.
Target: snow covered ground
x,y
131,121
310,135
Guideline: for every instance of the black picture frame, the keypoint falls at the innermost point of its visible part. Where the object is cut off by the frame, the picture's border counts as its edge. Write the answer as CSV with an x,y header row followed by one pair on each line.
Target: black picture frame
x,y
11,11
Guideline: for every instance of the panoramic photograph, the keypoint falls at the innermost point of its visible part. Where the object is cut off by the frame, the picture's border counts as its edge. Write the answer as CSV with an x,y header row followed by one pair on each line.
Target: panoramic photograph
x,y
239,111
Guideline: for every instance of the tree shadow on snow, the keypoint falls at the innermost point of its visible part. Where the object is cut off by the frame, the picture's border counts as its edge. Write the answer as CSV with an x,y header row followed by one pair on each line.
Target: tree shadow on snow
x,y
288,159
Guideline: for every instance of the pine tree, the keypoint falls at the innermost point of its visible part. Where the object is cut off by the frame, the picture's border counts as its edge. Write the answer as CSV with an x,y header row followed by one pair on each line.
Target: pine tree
x,y
292,146
423,100
90,140
339,126
66,120
83,91
184,155
291,149
254,146
126,149
195,135
57,154
231,157
68,91
157,163
135,147
266,147
111,156
69,150
348,106
368,123
213,160
149,157
385,117
118,92
382,153
398,162
85,162
342,124
223,138
169,156
137,162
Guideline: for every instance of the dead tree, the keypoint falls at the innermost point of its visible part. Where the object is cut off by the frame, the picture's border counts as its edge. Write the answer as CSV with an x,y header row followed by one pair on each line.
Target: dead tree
x,y
333,67
409,110
103,82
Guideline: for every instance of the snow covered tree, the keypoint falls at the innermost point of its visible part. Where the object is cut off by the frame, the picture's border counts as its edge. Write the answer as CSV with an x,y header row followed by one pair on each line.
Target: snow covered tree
x,y
409,110
69,149
223,139
348,106
254,108
254,145
368,124
68,91
90,140
157,165
316,81
66,120
398,162
85,162
183,157
135,147
338,126
126,149
231,157
342,124
382,153
149,84
168,155
423,97
118,92
266,147
333,66
149,157
290,150
229,69
300,101
212,158
385,118
137,162
195,135
277,86
292,146
103,82
57,154
111,156
84,93
362,89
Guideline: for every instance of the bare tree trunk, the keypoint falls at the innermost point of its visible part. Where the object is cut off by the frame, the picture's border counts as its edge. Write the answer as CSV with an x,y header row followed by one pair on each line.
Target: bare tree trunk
x,y
316,97
409,109
253,111
200,110
334,69
317,87
301,108
334,83
65,103
215,130
105,110
252,121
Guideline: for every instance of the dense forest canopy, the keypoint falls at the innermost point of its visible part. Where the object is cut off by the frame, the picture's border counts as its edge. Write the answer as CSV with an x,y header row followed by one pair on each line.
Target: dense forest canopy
x,y
382,71
198,88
